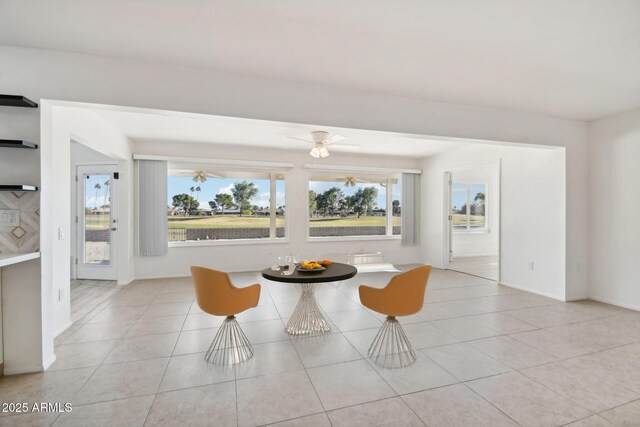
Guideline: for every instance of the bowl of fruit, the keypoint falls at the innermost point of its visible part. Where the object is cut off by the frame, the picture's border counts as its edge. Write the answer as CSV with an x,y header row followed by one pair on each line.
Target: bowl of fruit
x,y
307,266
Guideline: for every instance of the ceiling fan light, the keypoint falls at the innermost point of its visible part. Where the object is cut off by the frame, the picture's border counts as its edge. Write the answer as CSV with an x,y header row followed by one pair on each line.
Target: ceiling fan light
x,y
324,152
315,152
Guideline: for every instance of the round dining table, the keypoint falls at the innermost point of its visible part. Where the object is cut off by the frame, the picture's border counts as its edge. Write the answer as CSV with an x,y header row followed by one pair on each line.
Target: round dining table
x,y
307,318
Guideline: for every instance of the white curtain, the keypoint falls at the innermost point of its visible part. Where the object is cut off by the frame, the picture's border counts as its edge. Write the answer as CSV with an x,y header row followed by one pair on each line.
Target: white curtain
x,y
152,207
410,209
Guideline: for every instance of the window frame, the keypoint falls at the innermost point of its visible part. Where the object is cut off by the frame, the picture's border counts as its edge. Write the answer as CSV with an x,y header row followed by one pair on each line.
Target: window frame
x,y
272,239
468,229
388,207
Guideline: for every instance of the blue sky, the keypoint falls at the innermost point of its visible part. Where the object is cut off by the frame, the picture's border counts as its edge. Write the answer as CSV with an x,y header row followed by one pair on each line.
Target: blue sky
x,y
213,186
322,186
91,200
459,193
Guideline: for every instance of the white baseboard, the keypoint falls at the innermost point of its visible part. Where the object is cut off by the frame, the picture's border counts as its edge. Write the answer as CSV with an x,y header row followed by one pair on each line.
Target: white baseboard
x,y
64,328
577,297
30,369
376,267
543,294
48,362
615,302
181,276
471,255
173,276
23,370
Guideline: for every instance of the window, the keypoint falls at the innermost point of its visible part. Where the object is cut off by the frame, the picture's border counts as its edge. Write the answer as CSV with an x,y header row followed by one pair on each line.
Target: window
x,y
211,204
343,205
468,206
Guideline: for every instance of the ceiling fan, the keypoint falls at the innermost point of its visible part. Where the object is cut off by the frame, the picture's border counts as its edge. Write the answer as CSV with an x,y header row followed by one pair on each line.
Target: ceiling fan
x,y
198,176
350,181
320,140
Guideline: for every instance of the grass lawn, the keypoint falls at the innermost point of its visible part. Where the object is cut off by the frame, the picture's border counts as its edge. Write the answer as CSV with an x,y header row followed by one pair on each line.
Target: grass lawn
x,y
96,222
474,220
236,221
354,221
223,221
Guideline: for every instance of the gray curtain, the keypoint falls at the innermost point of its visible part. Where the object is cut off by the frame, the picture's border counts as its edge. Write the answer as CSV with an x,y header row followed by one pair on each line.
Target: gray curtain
x,y
152,207
410,209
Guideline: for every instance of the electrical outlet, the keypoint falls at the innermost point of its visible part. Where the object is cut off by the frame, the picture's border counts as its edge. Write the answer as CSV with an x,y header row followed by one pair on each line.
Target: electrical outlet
x,y
9,218
530,265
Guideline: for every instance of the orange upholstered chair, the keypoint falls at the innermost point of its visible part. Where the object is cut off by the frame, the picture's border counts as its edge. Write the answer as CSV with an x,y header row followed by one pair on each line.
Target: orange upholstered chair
x,y
403,296
216,295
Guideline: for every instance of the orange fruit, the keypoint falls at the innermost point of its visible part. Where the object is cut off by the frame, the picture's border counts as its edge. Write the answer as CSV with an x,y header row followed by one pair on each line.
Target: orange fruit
x,y
326,262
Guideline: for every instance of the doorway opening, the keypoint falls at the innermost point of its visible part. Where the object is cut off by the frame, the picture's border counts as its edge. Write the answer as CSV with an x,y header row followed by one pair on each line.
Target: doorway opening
x,y
94,225
472,203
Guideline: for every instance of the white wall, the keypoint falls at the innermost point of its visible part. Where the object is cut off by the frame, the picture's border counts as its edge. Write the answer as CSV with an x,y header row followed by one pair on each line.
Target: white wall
x,y
532,213
614,152
87,128
258,256
484,242
46,74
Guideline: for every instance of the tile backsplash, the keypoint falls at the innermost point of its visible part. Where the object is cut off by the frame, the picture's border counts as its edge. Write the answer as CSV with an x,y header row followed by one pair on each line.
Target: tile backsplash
x,y
26,236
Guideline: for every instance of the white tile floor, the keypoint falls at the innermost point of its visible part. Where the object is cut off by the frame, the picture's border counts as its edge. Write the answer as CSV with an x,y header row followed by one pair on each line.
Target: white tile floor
x,y
487,355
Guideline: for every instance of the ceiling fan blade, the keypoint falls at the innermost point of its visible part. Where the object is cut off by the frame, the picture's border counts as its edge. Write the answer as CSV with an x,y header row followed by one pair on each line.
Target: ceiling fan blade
x,y
308,141
334,139
191,173
296,147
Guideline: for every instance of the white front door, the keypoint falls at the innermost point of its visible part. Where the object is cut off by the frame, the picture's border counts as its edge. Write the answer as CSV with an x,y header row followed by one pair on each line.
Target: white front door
x,y
97,222
448,245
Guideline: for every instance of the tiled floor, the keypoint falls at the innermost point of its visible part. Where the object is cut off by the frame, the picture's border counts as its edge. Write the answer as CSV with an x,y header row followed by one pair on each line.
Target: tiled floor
x,y
487,356
481,266
86,295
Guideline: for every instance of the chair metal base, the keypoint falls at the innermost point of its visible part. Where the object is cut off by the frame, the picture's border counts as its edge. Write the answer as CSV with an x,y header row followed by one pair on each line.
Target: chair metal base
x,y
391,347
230,345
307,318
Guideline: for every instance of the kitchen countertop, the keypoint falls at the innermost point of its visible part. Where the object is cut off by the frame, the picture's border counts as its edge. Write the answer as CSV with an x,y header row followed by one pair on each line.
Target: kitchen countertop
x,y
8,259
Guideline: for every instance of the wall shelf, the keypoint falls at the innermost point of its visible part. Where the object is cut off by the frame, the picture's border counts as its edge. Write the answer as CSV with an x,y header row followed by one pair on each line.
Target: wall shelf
x,y
18,188
17,101
16,143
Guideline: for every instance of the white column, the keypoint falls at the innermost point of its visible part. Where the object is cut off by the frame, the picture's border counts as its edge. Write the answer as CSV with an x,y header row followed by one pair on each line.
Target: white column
x,y
272,206
389,207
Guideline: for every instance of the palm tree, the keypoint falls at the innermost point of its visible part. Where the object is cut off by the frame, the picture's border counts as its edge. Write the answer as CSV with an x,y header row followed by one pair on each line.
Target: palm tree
x,y
107,184
198,192
97,187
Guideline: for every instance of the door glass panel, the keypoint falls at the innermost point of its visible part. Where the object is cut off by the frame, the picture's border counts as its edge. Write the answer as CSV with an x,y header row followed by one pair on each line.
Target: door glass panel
x,y
459,206
477,194
97,219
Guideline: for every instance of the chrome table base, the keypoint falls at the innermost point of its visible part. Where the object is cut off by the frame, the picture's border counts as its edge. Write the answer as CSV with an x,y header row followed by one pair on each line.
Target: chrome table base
x,y
230,345
391,347
307,318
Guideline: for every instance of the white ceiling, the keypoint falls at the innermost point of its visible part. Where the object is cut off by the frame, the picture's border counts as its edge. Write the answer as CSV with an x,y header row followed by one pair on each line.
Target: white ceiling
x,y
568,58
167,126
